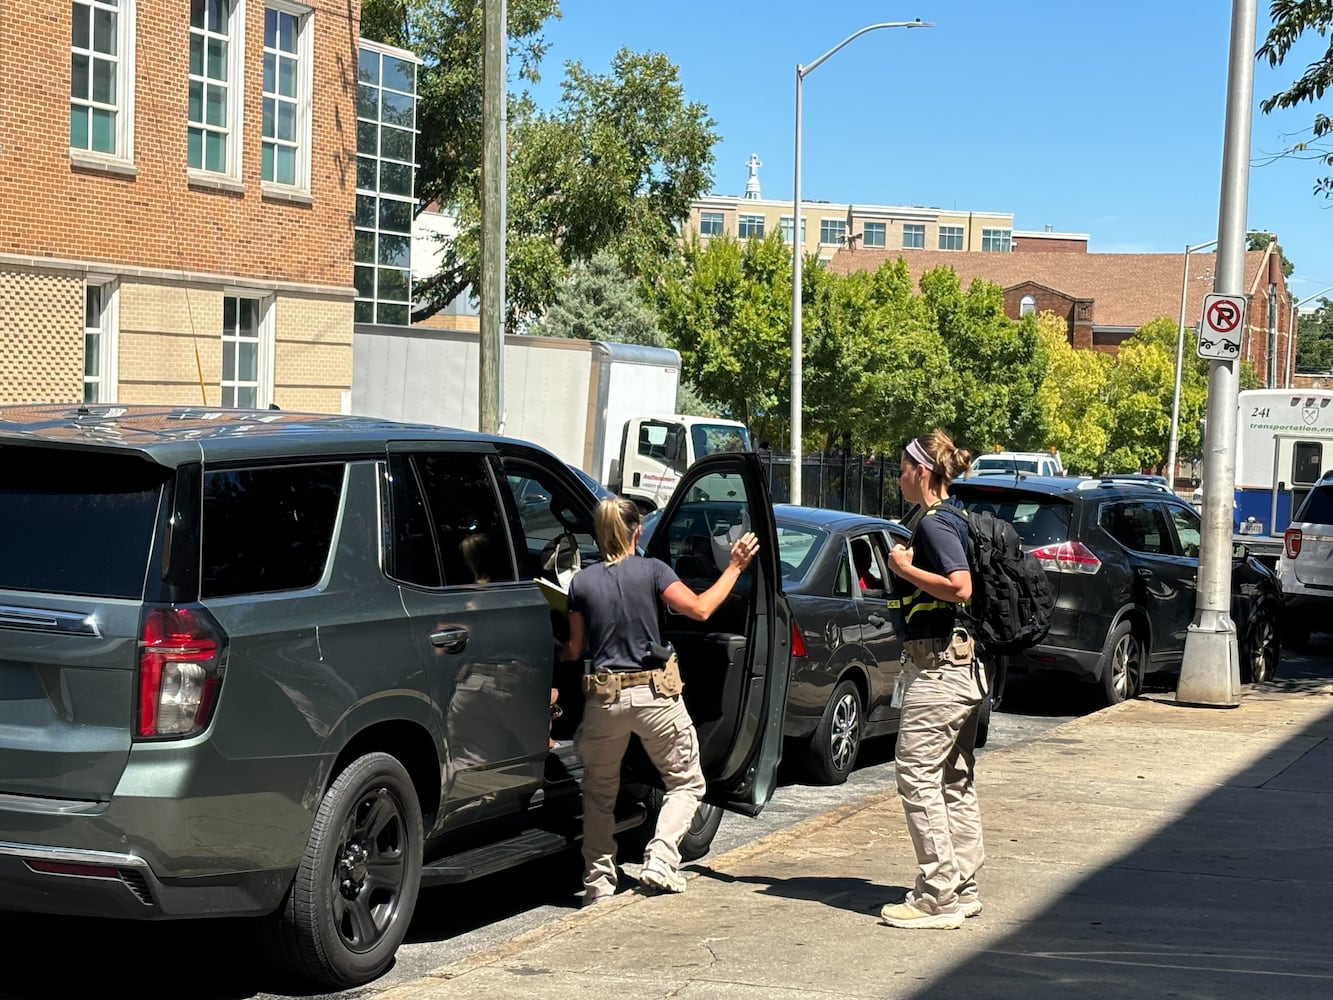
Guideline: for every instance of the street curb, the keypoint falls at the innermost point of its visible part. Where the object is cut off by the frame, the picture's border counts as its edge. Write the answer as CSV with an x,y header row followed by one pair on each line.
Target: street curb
x,y
764,845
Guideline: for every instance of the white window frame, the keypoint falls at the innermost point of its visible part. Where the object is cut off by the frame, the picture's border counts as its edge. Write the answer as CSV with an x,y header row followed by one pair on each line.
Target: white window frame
x,y
749,220
951,233
785,227
107,333
305,17
713,218
264,338
881,229
826,225
235,83
124,105
997,240
1027,306
914,236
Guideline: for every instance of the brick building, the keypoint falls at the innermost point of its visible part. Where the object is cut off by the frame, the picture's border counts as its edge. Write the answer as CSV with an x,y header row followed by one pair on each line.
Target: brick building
x,y
179,183
1104,297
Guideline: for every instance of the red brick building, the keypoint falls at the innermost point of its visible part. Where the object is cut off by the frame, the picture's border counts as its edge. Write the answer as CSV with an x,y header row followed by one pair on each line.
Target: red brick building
x,y
1104,297
178,183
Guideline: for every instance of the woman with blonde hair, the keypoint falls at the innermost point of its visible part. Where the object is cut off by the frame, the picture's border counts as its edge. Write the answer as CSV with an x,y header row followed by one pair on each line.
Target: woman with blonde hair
x,y
937,730
633,689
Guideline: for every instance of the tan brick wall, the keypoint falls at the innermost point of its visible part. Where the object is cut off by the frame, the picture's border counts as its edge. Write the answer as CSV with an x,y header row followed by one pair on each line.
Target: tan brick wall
x,y
161,326
155,219
41,337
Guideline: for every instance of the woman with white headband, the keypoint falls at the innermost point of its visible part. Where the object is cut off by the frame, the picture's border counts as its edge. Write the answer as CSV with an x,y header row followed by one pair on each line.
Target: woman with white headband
x,y
939,690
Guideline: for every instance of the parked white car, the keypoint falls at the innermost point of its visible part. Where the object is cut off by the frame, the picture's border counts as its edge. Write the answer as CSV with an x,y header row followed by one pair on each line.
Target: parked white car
x,y
1035,463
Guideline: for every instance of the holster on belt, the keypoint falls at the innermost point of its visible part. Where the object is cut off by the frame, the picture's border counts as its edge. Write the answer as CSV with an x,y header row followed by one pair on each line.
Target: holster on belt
x,y
667,682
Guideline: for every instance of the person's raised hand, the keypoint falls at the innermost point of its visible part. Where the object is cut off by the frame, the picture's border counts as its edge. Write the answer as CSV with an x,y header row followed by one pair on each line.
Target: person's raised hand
x,y
744,550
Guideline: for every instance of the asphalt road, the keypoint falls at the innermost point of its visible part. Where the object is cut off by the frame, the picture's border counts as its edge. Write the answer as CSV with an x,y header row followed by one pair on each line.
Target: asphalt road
x,y
219,960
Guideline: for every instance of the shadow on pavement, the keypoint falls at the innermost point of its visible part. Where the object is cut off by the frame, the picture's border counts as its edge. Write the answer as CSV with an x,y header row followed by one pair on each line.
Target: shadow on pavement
x,y
856,895
1230,901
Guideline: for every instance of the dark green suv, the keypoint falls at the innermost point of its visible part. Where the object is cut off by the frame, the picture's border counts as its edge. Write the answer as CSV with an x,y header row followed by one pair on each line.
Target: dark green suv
x,y
297,666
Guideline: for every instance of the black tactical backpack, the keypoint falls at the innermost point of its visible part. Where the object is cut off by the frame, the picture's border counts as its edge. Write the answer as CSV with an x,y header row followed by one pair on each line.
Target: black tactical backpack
x,y
1011,601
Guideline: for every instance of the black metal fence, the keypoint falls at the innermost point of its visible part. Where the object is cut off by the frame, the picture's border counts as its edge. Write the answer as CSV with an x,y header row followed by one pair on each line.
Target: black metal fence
x,y
864,484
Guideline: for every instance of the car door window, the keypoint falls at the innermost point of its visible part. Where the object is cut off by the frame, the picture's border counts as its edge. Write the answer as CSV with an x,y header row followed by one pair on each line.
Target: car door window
x,y
1186,525
1137,525
548,507
450,499
870,562
842,581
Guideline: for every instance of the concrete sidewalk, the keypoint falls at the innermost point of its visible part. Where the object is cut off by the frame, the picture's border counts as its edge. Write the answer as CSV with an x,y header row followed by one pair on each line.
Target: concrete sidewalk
x,y
1148,850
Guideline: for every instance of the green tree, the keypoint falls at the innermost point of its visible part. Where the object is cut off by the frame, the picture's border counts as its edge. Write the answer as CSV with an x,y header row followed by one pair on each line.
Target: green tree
x,y
614,167
1290,20
727,310
999,364
1314,339
1073,397
597,302
1258,241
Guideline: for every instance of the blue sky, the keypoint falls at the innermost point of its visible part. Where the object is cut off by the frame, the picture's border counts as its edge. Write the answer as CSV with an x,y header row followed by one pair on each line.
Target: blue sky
x,y
1089,116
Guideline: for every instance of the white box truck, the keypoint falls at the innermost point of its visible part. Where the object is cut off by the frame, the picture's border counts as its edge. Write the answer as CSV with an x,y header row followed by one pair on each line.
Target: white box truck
x,y
605,408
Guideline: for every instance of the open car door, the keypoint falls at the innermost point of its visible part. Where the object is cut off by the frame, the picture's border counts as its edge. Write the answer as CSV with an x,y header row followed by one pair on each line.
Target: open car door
x,y
736,664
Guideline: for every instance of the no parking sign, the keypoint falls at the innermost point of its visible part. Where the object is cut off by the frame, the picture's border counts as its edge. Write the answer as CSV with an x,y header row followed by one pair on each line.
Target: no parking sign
x,y
1223,323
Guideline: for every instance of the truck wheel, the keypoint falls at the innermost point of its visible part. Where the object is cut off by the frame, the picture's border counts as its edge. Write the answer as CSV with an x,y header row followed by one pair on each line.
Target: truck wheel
x,y
355,889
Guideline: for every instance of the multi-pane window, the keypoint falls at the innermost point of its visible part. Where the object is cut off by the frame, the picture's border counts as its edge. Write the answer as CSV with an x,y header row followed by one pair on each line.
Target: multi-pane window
x,y
99,384
212,79
100,76
750,227
874,234
951,237
784,224
240,351
284,151
998,240
914,236
1028,306
385,139
710,223
832,232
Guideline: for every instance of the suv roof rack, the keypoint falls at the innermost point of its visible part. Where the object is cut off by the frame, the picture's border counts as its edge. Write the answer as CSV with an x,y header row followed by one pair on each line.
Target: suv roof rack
x,y
1144,480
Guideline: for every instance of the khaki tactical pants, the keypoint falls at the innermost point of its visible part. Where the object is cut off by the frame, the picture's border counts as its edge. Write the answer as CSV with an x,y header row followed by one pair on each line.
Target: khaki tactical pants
x,y
936,765
667,733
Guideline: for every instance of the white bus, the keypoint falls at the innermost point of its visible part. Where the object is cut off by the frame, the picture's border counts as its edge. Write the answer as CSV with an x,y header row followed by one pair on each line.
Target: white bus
x,y
1284,443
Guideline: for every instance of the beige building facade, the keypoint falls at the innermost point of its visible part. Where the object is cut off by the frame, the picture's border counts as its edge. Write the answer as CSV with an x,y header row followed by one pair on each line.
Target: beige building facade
x,y
828,226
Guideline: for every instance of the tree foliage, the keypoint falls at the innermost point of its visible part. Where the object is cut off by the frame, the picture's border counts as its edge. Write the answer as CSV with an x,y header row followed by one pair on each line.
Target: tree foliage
x,y
1290,20
1314,339
1074,397
1259,241
597,302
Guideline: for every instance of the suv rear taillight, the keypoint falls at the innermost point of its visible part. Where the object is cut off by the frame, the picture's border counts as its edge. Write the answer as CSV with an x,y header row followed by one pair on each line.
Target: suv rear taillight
x,y
181,656
1068,557
1291,542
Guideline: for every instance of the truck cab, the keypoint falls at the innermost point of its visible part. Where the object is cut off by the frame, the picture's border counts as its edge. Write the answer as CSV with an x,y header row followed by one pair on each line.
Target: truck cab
x,y
656,451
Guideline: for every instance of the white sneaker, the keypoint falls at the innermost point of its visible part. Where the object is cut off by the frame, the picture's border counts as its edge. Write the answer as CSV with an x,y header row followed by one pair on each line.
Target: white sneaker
x,y
656,875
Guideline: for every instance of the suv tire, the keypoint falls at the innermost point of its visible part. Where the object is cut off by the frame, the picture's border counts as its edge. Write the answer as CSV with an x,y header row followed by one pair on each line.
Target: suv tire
x,y
696,843
1122,664
1261,649
350,904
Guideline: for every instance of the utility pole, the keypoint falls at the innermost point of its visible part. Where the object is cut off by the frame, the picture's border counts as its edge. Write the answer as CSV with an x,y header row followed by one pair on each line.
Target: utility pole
x,y
494,133
1210,672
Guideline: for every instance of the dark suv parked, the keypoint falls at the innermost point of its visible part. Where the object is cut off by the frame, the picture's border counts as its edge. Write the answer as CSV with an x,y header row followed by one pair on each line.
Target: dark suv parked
x,y
1122,558
296,666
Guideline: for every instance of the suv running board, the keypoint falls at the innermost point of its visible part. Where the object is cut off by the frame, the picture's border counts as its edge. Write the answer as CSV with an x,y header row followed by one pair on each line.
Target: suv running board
x,y
529,845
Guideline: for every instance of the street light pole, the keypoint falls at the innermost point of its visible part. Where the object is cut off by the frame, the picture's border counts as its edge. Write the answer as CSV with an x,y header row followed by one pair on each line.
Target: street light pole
x,y
1174,441
797,343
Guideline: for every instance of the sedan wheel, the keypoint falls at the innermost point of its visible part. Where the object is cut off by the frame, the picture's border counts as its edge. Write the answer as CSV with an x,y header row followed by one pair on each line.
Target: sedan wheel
x,y
1260,651
837,739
